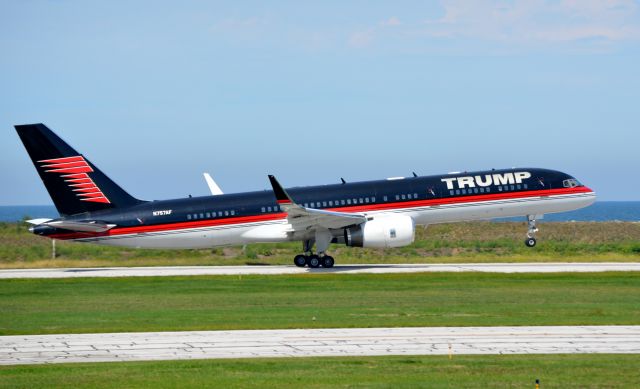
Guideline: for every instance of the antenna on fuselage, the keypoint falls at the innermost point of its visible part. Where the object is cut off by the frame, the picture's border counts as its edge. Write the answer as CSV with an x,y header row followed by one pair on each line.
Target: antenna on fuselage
x,y
414,174
343,181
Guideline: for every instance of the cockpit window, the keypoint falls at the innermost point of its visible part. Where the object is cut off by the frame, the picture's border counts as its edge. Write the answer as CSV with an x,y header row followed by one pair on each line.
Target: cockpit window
x,y
571,183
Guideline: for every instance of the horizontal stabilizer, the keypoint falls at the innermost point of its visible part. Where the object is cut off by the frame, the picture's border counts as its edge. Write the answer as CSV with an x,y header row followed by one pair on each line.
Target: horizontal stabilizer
x,y
37,222
93,226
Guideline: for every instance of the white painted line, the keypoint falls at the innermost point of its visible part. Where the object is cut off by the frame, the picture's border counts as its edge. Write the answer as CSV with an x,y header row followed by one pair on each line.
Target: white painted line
x,y
556,267
38,349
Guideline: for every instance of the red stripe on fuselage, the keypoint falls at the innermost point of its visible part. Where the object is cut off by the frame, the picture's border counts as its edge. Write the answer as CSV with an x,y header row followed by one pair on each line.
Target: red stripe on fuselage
x,y
348,209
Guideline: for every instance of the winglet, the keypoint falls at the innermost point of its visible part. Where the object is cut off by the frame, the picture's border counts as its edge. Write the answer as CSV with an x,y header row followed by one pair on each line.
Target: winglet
x,y
281,195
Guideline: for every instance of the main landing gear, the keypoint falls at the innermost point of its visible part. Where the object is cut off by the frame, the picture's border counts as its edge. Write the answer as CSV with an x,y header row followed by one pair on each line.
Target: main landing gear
x,y
314,261
531,231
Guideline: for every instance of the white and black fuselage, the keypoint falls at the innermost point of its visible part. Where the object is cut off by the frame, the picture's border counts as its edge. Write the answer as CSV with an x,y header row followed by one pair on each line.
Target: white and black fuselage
x,y
380,213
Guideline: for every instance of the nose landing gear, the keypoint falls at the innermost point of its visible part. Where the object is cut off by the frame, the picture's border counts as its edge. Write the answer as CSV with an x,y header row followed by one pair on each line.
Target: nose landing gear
x,y
531,231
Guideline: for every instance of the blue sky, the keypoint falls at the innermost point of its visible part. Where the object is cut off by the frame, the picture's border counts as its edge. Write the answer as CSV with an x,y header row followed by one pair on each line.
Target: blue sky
x,y
155,93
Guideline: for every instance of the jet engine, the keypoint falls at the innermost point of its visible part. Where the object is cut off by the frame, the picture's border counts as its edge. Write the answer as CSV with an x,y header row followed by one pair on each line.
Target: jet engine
x,y
381,232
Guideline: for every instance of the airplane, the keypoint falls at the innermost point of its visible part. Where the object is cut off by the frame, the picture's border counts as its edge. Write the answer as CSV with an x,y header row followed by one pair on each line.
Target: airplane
x,y
376,214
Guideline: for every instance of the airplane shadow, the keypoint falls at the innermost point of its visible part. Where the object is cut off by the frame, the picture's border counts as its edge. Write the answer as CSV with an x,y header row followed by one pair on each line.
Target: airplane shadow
x,y
352,268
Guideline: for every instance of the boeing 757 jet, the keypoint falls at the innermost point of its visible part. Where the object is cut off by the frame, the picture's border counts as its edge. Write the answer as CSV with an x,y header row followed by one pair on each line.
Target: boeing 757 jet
x,y
379,214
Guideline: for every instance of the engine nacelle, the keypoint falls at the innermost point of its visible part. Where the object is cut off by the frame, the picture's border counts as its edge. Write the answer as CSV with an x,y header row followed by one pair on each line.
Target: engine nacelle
x,y
381,232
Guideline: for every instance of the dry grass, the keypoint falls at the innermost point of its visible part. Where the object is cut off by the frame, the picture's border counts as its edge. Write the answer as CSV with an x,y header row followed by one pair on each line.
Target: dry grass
x,y
461,242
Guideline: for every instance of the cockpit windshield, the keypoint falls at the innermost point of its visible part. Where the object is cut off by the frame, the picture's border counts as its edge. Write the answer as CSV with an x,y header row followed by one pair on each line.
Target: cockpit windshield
x,y
571,183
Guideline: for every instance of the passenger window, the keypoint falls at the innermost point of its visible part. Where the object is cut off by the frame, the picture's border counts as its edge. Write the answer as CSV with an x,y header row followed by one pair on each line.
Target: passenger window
x,y
475,190
233,213
488,190
403,197
397,197
330,203
349,201
202,216
361,200
188,216
384,198
464,191
263,209
525,186
341,202
195,216
458,192
208,215
451,192
499,189
481,190
226,213
392,233
269,209
324,203
219,213
366,200
373,199
313,205
513,187
415,196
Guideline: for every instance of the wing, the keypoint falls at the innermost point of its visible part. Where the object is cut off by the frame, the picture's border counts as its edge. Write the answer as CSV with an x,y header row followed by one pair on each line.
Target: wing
x,y
302,218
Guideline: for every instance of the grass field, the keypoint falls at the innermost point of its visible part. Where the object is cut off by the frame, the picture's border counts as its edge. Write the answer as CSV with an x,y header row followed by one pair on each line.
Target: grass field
x,y
41,306
462,242
484,371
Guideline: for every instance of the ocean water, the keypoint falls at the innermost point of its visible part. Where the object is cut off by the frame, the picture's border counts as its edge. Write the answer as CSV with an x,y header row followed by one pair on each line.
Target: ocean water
x,y
600,211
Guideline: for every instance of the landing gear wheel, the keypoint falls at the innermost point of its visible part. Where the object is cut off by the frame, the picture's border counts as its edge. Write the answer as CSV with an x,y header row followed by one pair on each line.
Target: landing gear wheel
x,y
530,242
300,260
327,261
313,261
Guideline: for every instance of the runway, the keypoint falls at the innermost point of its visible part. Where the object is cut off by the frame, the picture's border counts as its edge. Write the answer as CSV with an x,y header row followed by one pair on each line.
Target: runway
x,y
38,349
341,269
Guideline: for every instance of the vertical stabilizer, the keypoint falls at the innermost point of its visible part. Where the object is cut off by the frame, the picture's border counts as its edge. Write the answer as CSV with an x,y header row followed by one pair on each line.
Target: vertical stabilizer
x,y
73,182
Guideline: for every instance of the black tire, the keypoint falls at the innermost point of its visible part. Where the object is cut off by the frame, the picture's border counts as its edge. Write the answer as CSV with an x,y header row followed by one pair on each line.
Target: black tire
x,y
313,261
327,261
300,260
530,242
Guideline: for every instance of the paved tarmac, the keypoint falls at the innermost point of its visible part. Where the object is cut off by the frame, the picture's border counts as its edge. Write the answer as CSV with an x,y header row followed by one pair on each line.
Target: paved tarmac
x,y
38,349
340,269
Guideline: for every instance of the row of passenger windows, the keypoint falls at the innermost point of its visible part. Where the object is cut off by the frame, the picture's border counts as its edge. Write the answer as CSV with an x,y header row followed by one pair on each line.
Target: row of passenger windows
x,y
469,191
337,203
209,215
356,201
405,197
502,188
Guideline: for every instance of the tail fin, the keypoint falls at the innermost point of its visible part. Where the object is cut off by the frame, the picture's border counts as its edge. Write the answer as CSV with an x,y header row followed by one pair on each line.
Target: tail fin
x,y
74,184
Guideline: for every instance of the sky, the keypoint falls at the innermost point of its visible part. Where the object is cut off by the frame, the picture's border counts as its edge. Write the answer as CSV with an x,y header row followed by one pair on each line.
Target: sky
x,y
155,93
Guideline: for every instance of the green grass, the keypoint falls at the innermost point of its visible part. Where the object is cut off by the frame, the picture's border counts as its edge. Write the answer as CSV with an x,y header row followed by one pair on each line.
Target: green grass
x,y
41,306
461,242
482,371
